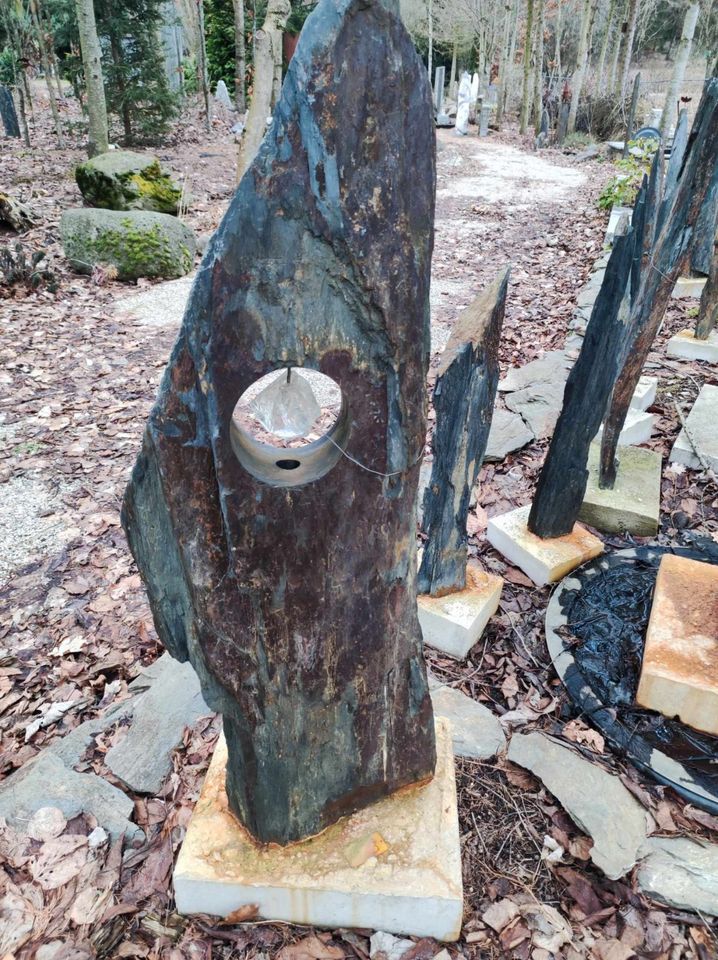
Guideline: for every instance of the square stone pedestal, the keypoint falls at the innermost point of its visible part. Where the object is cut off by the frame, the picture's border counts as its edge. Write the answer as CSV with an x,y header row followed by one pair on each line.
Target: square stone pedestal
x,y
544,561
637,428
453,623
395,866
633,505
645,393
685,346
679,675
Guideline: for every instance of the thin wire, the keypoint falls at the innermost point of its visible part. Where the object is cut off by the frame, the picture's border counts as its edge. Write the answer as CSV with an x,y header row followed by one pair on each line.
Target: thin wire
x,y
377,473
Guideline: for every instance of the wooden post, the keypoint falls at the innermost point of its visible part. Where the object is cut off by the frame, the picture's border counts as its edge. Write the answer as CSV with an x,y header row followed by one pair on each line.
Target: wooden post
x,y
464,397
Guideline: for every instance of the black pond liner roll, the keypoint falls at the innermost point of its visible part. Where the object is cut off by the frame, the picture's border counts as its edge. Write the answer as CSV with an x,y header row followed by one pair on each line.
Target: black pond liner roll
x,y
596,623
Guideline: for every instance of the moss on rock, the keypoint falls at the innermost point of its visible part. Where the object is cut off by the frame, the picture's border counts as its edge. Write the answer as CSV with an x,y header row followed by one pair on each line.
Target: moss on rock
x,y
137,243
123,180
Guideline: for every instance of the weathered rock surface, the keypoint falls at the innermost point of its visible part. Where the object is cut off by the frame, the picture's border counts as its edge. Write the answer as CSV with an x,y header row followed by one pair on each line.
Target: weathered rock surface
x,y
172,702
539,405
475,730
680,872
508,433
595,800
464,397
123,180
290,584
47,781
136,243
550,368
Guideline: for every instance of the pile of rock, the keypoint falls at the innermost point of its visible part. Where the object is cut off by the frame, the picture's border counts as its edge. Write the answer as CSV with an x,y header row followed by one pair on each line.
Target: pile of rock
x,y
131,225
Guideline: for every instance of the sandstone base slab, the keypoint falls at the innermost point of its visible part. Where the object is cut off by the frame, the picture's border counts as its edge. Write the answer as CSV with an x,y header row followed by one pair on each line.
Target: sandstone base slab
x,y
394,866
633,505
689,287
455,622
679,674
685,346
544,561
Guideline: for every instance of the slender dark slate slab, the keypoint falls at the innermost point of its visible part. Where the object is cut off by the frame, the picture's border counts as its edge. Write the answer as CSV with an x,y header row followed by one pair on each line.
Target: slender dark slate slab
x,y
294,596
8,114
667,259
464,397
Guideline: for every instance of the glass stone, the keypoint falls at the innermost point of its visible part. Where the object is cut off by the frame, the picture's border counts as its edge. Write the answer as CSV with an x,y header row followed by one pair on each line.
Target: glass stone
x,y
287,409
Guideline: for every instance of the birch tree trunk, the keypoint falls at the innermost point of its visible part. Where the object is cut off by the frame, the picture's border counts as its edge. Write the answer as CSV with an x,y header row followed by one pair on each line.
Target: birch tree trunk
x,y
589,10
604,44
267,41
538,75
202,64
679,67
430,16
92,63
526,92
634,7
617,46
557,41
503,66
240,55
46,67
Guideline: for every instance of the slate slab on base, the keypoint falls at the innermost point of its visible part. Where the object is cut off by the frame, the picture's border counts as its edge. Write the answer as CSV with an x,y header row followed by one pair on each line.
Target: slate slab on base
x,y
453,623
393,866
544,561
633,505
685,346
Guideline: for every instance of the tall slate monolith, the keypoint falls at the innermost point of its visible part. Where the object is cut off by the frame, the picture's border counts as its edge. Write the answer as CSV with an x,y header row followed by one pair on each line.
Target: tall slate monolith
x,y
288,578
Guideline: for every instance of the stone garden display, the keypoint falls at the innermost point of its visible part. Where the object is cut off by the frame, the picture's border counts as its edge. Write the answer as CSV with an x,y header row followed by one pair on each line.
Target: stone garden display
x,y
442,120
122,180
221,95
135,243
463,105
287,574
455,607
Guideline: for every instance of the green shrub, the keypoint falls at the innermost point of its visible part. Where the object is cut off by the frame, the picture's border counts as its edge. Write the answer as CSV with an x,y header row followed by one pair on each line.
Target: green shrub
x,y
621,190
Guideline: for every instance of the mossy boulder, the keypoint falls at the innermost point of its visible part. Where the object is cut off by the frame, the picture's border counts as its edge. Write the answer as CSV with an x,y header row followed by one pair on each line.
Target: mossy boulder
x,y
138,243
122,180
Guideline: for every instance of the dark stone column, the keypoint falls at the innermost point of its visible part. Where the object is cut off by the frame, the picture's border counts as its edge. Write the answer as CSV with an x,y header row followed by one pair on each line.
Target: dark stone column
x,y
296,601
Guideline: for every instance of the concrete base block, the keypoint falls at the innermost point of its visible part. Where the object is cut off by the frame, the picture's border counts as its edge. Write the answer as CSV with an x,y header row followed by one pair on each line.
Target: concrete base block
x,y
679,673
637,428
633,505
645,393
685,346
544,561
700,424
395,866
453,623
689,287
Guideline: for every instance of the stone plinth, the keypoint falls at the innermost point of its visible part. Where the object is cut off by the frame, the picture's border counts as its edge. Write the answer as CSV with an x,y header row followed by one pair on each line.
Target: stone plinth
x,y
645,393
689,287
544,561
686,346
393,866
633,505
453,623
679,675
701,426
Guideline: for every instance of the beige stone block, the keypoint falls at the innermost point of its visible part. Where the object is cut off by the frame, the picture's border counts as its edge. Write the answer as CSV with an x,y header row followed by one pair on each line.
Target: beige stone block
x,y
544,561
453,623
679,675
686,346
394,866
632,505
688,287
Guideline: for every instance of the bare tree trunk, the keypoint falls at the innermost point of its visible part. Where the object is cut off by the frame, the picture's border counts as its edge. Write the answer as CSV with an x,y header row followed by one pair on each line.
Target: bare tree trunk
x,y
589,10
46,68
116,52
430,16
557,41
708,313
267,41
202,64
503,65
604,44
526,92
240,54
617,46
92,63
538,76
452,76
23,117
670,111
629,27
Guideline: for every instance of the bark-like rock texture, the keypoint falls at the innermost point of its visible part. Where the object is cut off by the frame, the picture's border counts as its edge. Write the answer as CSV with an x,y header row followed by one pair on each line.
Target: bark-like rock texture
x,y
464,397
296,603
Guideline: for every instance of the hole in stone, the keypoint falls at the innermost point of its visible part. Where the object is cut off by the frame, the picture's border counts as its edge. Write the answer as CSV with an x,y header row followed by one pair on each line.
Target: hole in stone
x,y
292,410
